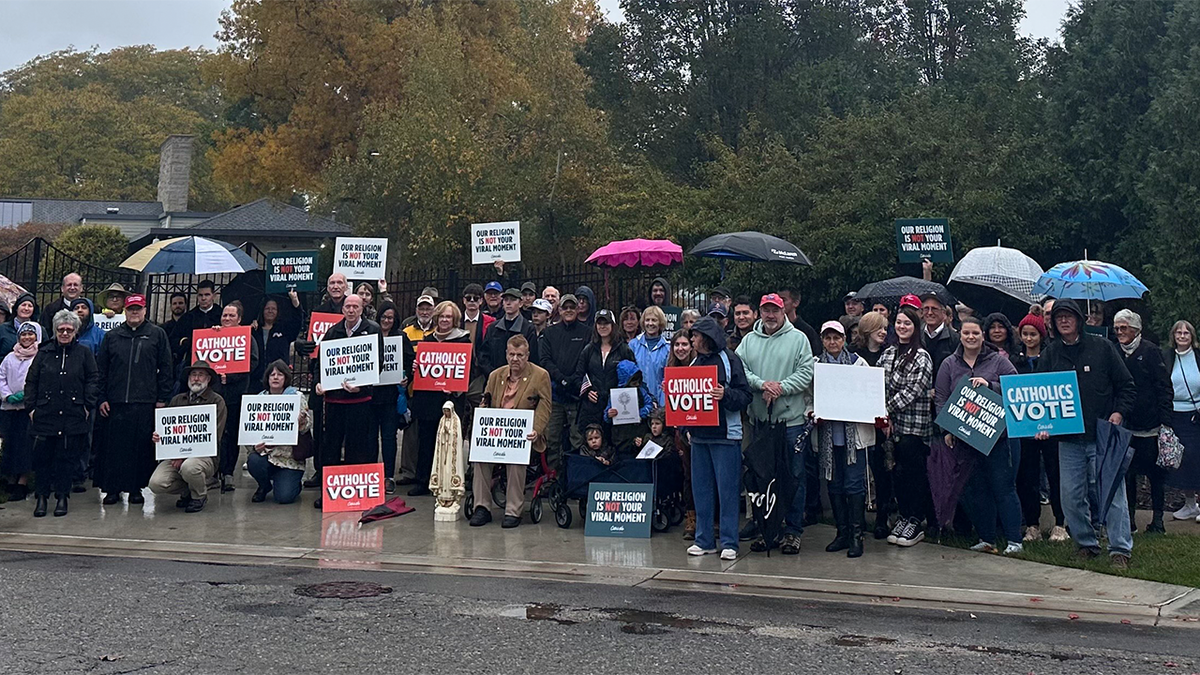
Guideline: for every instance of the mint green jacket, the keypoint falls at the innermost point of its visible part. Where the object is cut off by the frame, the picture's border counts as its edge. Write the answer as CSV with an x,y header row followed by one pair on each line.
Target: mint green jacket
x,y
785,357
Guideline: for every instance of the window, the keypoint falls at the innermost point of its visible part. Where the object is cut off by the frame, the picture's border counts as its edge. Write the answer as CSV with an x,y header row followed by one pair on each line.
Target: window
x,y
13,214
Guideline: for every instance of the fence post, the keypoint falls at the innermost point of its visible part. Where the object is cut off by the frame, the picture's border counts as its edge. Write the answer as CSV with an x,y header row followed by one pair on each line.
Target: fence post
x,y
37,269
452,282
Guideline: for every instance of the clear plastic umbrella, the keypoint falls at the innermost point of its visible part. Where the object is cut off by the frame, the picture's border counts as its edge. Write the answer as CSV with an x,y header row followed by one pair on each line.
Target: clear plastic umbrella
x,y
987,277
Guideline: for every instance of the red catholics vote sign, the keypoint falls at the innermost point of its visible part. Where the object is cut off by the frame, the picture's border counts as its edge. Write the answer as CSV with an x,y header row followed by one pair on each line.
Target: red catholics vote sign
x,y
689,396
227,350
320,323
356,487
442,366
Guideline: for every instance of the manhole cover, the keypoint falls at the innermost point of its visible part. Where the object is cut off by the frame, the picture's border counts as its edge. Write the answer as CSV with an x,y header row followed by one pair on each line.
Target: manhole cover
x,y
343,589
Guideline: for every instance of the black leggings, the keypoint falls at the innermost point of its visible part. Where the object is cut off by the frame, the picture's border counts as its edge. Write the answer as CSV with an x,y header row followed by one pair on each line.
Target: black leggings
x,y
1035,455
912,479
881,475
1145,463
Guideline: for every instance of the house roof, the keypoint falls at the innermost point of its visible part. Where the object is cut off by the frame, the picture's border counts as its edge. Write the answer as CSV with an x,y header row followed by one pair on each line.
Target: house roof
x,y
72,210
267,216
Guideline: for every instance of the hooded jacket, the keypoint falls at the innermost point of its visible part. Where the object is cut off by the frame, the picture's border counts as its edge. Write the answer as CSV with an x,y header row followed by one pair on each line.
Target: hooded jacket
x,y
1105,385
737,388
784,356
135,365
1010,347
668,307
990,365
624,435
585,292
90,335
652,359
558,352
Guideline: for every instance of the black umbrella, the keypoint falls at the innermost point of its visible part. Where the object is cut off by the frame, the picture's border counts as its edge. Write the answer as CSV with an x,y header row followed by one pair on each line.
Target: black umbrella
x,y
1113,456
889,291
749,247
770,485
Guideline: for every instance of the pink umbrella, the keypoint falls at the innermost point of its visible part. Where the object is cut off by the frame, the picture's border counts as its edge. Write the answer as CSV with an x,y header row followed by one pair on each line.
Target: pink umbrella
x,y
637,253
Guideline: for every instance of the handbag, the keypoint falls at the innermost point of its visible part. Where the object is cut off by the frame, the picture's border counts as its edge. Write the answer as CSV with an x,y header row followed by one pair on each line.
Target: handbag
x,y
1170,449
303,449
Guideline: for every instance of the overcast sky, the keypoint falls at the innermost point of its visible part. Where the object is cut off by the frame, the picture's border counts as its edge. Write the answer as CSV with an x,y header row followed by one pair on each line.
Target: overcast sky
x,y
35,27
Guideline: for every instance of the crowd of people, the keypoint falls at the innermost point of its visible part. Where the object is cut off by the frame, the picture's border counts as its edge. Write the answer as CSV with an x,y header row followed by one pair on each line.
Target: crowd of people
x,y
77,402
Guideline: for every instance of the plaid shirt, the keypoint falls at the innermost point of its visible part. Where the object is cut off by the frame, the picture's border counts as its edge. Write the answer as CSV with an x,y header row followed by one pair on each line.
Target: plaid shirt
x,y
909,405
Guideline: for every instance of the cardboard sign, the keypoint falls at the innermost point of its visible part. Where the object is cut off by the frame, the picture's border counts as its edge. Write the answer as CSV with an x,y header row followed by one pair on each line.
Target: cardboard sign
x,y
320,323
1042,402
689,396
270,419
973,414
442,366
106,324
495,241
619,510
286,270
186,431
354,487
498,436
227,350
361,257
918,238
393,360
844,393
349,361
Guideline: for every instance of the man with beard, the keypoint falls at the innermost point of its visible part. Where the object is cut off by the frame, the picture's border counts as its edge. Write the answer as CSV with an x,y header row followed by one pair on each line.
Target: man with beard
x,y
189,477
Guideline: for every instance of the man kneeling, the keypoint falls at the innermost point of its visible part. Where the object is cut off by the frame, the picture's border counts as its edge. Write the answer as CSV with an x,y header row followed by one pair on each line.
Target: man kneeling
x,y
189,477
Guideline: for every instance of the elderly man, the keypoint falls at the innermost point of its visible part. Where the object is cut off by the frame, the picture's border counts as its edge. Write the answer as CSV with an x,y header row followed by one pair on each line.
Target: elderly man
x,y
550,294
335,295
348,420
520,385
189,477
136,376
72,288
779,367
937,336
1106,391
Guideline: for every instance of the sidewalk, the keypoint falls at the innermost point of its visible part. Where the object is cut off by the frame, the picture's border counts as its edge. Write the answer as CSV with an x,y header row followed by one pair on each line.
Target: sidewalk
x,y
232,530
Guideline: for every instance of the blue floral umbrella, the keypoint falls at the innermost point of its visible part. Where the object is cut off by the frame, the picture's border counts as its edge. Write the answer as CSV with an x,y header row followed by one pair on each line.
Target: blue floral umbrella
x,y
1089,280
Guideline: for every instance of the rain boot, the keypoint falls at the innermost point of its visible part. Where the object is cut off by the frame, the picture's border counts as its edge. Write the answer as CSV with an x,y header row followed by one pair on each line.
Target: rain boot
x,y
857,506
840,543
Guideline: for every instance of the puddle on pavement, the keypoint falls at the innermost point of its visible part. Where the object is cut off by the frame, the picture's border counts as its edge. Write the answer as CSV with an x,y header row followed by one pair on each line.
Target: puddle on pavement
x,y
861,641
343,590
981,649
633,621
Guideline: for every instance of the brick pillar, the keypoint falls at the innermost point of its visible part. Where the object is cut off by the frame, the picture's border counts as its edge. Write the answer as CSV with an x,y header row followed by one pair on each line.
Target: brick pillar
x,y
174,172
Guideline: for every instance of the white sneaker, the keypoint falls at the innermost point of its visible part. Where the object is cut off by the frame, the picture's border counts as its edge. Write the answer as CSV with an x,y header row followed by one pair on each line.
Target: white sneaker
x,y
1059,533
1032,533
1014,548
728,554
983,547
696,550
1189,511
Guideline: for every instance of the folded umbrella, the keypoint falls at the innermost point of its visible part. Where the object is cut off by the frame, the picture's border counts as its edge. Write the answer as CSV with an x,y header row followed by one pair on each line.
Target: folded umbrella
x,y
389,509
1113,456
949,470
770,485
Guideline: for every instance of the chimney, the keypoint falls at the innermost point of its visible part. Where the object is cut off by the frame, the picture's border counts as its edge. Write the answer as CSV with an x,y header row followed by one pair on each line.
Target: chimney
x,y
174,172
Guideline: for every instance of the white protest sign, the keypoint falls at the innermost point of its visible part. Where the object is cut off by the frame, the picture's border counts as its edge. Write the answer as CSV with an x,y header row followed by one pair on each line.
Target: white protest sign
x,y
349,361
499,436
360,257
393,360
625,401
650,450
845,393
495,241
270,419
186,431
106,324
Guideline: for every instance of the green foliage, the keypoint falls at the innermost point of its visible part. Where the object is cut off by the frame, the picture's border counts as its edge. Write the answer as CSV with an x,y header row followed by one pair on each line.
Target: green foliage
x,y
99,245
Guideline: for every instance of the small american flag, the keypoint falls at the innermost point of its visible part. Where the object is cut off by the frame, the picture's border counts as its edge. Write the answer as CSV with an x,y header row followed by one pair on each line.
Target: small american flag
x,y
585,385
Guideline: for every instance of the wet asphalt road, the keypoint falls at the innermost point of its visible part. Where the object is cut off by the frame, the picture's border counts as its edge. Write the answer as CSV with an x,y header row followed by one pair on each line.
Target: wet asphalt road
x,y
70,614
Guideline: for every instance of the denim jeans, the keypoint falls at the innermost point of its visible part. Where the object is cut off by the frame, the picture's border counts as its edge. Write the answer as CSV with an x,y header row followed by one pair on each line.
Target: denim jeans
x,y
793,520
1077,480
716,480
992,491
283,483
848,479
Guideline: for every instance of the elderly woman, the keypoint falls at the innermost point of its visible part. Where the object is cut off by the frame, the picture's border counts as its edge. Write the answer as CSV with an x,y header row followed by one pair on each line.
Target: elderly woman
x,y
62,387
651,350
276,468
15,463
1144,360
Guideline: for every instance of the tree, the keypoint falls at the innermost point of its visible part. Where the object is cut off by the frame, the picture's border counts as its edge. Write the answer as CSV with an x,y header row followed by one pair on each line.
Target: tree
x,y
99,245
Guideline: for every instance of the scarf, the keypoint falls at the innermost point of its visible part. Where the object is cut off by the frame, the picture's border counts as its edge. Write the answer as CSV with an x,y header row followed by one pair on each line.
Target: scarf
x,y
25,353
1130,348
825,439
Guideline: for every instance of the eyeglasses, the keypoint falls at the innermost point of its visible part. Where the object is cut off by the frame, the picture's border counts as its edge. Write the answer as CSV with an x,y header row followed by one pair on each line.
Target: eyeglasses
x,y
65,330
1122,329
931,309
470,298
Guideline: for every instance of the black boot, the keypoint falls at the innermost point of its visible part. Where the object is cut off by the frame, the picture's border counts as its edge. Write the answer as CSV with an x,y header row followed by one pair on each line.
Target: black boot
x,y
856,505
1156,524
841,517
881,521
39,510
60,507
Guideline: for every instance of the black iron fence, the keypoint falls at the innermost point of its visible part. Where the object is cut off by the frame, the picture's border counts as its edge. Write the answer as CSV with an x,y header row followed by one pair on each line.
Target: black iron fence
x,y
39,267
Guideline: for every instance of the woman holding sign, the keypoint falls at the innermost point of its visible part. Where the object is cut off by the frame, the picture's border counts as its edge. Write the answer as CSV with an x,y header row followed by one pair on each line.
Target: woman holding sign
x,y
275,467
597,369
682,354
385,418
908,377
427,405
992,489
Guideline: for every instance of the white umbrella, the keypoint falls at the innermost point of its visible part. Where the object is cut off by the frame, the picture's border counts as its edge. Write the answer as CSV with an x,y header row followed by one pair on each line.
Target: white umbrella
x,y
990,274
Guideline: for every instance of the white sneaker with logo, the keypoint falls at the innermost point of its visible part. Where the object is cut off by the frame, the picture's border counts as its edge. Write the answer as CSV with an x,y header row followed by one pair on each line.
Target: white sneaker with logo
x,y
696,550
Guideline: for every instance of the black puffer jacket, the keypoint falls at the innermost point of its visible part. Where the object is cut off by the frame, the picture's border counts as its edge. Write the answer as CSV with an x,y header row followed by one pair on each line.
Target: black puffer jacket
x,y
62,385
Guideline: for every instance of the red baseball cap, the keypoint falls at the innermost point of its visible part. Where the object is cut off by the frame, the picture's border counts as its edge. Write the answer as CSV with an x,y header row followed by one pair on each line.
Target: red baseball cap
x,y
910,300
135,300
771,299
